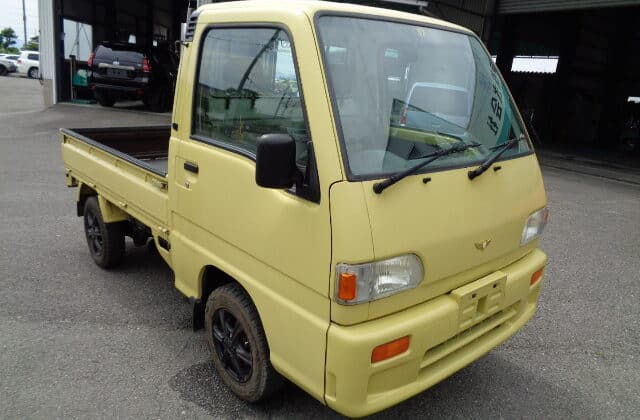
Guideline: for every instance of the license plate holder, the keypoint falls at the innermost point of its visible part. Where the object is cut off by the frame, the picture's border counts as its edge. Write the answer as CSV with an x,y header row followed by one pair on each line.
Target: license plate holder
x,y
480,299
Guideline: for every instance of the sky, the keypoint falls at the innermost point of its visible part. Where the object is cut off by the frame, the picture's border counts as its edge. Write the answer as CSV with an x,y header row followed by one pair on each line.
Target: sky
x,y
11,15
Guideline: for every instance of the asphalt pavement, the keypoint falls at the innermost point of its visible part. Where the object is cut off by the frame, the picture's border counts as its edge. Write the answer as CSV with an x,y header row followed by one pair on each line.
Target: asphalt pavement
x,y
80,342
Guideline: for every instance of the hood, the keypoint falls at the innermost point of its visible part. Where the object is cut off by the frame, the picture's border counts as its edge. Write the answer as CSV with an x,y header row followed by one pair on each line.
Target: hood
x,y
443,220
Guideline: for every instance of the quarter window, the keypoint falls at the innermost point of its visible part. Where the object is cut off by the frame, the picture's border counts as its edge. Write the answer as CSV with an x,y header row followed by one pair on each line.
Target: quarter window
x,y
247,86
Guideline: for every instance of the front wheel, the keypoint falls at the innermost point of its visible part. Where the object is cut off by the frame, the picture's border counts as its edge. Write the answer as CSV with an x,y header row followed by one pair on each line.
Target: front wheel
x,y
3,71
105,240
238,344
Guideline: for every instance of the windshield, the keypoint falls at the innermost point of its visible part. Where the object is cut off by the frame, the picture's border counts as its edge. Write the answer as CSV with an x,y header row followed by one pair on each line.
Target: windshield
x,y
402,91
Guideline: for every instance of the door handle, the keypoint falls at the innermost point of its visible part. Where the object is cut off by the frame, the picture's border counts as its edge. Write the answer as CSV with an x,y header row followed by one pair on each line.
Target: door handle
x,y
191,167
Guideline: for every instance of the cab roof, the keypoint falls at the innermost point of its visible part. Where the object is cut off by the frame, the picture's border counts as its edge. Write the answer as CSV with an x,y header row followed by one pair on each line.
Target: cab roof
x,y
311,7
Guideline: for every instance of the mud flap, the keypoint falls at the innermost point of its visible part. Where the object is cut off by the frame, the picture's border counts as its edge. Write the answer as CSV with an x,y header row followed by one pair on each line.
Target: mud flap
x,y
198,314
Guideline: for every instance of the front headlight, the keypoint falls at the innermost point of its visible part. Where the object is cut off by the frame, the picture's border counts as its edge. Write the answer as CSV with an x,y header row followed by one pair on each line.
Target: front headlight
x,y
534,226
357,283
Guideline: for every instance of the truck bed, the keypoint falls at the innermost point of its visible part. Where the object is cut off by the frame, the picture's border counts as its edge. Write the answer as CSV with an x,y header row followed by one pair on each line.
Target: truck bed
x,y
147,147
125,165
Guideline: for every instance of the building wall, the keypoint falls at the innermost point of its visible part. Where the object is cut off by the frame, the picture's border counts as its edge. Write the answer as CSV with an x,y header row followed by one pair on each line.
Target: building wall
x,y
116,19
476,15
535,6
47,23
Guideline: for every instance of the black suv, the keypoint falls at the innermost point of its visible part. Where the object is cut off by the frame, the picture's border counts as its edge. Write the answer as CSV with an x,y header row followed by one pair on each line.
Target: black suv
x,y
119,71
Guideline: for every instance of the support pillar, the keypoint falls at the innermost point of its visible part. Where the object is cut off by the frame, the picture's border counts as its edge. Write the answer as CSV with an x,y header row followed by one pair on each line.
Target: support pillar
x,y
48,23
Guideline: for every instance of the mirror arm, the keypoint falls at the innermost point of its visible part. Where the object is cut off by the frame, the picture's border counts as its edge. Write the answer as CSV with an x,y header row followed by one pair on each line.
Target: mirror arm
x,y
306,183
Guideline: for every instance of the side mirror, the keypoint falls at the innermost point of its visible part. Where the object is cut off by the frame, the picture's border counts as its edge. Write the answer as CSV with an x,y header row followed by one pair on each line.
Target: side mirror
x,y
276,161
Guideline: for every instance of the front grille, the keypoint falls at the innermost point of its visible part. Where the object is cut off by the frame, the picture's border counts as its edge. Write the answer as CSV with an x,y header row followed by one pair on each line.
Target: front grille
x,y
467,336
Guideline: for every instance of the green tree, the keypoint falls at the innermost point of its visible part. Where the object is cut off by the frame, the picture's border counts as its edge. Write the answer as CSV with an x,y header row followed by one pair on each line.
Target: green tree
x,y
33,44
7,38
10,50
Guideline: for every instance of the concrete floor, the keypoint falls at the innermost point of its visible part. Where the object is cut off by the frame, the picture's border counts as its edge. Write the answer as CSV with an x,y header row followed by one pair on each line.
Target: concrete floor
x,y
77,341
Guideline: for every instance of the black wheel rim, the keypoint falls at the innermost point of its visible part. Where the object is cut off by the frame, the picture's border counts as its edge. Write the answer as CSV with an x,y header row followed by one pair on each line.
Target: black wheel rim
x,y
232,345
94,234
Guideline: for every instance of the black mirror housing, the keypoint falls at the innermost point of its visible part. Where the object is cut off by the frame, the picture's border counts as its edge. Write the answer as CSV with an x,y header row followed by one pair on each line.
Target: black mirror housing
x,y
276,161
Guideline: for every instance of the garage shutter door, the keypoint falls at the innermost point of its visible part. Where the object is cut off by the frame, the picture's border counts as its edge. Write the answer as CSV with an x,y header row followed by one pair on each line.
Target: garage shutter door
x,y
528,6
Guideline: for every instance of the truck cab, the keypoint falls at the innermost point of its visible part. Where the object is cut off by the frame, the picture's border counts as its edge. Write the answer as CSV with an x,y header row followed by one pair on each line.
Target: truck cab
x,y
349,197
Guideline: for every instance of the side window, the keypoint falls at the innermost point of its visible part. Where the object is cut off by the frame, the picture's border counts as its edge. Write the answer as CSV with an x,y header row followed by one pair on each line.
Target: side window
x,y
35,57
247,86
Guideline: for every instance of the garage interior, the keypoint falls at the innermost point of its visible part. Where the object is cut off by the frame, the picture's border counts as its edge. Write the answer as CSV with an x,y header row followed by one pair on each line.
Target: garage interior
x,y
584,104
86,24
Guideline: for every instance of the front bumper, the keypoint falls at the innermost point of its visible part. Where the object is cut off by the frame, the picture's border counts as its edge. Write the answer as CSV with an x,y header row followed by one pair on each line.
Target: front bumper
x,y
447,333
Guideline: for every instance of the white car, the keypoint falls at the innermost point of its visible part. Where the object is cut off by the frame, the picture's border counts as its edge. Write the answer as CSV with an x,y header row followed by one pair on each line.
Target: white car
x,y
11,57
8,64
29,64
452,102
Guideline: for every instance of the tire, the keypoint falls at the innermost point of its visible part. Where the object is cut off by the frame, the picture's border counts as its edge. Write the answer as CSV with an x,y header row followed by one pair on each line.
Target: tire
x,y
3,71
33,73
105,100
234,332
158,101
105,240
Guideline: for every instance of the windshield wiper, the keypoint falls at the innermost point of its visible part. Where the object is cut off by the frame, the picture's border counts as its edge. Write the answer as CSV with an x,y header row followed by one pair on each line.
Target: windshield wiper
x,y
501,149
460,147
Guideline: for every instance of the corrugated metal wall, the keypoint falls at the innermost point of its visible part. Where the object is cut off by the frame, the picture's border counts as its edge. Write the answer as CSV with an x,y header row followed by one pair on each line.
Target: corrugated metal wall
x,y
473,14
116,19
528,6
47,22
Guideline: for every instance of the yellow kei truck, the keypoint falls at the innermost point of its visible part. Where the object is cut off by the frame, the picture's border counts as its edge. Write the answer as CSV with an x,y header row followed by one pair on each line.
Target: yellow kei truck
x,y
347,195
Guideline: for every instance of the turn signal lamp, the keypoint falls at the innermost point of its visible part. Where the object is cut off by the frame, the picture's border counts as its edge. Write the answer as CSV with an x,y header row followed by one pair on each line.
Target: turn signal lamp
x,y
390,349
347,286
536,276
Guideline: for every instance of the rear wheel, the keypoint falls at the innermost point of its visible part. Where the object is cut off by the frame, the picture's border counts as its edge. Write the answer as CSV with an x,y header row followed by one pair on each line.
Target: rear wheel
x,y
238,344
105,100
33,73
158,100
105,240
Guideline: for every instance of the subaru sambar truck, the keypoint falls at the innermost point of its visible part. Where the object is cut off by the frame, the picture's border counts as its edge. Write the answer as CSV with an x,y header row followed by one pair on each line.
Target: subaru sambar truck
x,y
347,195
